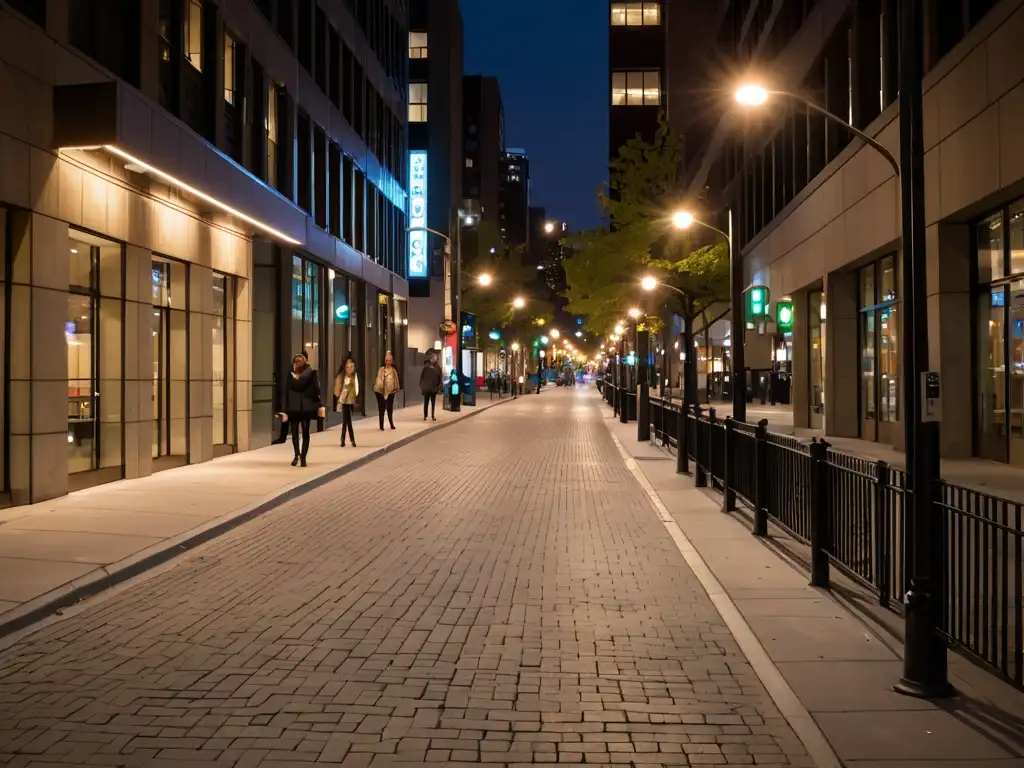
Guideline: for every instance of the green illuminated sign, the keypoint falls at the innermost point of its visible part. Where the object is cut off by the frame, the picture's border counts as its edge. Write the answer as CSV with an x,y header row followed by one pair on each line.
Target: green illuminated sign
x,y
757,304
784,316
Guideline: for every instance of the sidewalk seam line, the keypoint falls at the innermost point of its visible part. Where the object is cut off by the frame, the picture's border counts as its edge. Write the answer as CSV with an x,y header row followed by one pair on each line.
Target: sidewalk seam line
x,y
16,623
799,719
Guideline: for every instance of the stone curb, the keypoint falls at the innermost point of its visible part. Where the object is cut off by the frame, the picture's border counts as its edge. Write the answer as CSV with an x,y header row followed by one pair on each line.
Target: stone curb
x,y
106,577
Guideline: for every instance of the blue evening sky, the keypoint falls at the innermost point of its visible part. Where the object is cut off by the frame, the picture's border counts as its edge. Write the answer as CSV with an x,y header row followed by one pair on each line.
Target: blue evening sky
x,y
551,61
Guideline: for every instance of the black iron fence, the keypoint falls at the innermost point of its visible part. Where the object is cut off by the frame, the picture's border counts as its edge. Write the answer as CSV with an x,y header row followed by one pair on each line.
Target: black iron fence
x,y
850,512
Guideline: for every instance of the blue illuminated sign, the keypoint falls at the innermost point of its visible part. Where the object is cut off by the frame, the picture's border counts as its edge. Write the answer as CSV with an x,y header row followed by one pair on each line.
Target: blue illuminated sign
x,y
341,313
494,335
998,298
418,241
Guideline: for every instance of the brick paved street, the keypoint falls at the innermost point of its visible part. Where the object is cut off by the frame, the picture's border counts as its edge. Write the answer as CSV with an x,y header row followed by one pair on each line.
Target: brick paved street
x,y
499,592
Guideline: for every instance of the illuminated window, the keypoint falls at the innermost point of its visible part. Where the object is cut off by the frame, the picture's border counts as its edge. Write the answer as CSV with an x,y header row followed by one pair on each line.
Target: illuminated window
x,y
636,14
271,125
194,34
417,102
230,64
417,45
636,88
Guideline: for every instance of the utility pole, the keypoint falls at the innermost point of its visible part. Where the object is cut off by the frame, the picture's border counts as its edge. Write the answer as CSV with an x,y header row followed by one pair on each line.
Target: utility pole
x,y
925,672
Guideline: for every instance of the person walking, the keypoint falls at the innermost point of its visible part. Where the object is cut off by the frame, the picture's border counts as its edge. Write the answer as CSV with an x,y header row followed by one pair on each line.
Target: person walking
x,y
303,403
346,392
385,387
430,384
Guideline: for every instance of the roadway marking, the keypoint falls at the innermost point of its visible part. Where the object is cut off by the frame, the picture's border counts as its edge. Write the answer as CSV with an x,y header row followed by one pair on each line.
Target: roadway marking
x,y
785,699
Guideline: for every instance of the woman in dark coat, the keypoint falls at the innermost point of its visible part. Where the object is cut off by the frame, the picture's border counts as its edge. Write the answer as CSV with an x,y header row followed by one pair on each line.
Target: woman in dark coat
x,y
430,384
303,403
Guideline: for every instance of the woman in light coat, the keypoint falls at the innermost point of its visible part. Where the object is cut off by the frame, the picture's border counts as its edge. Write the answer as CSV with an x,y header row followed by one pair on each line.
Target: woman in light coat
x,y
346,390
386,387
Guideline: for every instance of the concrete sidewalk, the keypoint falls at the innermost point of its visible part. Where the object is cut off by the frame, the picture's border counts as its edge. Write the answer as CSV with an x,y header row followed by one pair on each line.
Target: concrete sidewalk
x,y
60,551
841,672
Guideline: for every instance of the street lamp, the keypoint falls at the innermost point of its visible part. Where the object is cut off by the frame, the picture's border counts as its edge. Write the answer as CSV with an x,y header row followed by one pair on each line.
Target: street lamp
x,y
684,219
619,329
549,227
555,333
518,302
756,95
484,279
635,313
648,283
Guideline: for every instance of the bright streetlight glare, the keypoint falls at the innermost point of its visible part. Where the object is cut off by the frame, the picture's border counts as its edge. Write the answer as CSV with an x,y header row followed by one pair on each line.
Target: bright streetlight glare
x,y
616,337
635,313
549,227
618,330
555,333
493,249
515,346
484,279
649,283
468,220
682,219
579,334
518,302
752,95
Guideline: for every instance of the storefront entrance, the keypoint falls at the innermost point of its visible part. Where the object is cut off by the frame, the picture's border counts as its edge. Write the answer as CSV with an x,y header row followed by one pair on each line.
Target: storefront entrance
x,y
816,359
169,327
879,351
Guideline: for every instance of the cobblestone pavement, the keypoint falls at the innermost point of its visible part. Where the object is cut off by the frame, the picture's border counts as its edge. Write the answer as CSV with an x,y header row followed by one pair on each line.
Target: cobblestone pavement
x,y
500,592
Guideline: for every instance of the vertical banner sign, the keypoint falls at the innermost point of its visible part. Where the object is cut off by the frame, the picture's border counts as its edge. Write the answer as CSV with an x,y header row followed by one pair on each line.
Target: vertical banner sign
x,y
418,240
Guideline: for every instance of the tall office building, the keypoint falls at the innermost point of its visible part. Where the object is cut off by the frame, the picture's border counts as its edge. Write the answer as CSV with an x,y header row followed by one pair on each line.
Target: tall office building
x,y
191,192
514,204
483,140
817,213
436,162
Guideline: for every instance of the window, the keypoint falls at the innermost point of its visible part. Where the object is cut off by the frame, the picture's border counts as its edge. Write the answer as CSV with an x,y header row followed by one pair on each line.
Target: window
x,y
879,334
170,331
417,102
469,162
307,289
636,14
417,45
230,68
223,348
272,135
636,88
93,330
194,34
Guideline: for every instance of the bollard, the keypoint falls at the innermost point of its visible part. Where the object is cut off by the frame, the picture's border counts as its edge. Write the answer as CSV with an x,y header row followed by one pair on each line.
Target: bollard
x,y
761,479
700,475
882,545
728,494
820,514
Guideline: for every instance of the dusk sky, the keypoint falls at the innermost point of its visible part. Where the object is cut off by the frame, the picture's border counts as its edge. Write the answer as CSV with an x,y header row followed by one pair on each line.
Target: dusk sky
x,y
551,61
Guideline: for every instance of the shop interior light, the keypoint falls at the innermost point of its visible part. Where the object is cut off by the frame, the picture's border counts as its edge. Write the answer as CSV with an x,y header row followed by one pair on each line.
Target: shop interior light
x,y
166,177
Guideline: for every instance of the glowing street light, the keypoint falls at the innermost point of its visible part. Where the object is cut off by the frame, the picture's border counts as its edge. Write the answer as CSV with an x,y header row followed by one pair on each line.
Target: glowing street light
x,y
515,346
682,219
555,333
579,334
518,302
484,279
648,283
635,313
752,95
619,329
549,227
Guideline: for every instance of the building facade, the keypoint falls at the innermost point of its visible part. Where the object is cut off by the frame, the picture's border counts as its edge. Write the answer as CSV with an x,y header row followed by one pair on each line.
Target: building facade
x,y
483,140
817,213
514,198
191,192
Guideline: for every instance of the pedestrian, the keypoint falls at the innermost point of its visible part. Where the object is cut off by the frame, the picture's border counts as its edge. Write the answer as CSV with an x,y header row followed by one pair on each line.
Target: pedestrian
x,y
430,384
385,387
346,392
302,404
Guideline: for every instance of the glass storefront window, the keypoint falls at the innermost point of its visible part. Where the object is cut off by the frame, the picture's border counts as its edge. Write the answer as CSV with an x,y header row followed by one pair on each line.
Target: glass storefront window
x,y
888,364
1015,329
990,249
816,325
169,329
93,333
888,282
867,286
307,298
992,374
1017,238
867,365
223,359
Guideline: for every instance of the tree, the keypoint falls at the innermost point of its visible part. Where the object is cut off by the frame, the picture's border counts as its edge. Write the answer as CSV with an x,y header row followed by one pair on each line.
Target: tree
x,y
604,272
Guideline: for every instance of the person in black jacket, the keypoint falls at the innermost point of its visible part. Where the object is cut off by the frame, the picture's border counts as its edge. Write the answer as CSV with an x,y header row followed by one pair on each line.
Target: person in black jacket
x,y
430,384
303,403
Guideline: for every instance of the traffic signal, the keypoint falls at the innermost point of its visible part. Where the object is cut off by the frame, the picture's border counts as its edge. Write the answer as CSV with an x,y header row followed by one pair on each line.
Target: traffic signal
x,y
758,301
